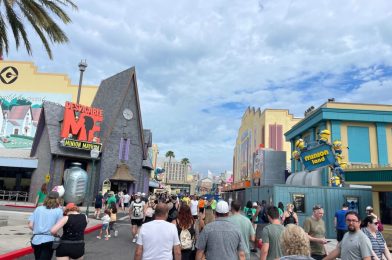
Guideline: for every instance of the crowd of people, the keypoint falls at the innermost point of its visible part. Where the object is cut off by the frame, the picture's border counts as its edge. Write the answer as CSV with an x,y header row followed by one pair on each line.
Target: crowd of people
x,y
167,226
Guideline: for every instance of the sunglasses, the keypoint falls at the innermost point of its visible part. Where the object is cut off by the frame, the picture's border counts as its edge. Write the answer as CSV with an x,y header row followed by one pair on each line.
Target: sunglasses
x,y
375,223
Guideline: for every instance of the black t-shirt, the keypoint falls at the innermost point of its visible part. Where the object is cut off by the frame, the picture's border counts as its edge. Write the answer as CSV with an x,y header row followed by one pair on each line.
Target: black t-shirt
x,y
74,228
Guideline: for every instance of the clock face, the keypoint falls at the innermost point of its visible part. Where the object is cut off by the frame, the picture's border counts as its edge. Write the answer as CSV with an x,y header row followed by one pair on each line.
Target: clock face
x,y
127,113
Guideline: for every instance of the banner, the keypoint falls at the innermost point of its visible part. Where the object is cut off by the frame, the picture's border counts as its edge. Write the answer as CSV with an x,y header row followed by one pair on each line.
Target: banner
x,y
318,157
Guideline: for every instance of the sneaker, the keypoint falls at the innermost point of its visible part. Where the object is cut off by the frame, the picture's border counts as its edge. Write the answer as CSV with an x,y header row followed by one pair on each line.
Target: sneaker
x,y
98,237
134,240
109,236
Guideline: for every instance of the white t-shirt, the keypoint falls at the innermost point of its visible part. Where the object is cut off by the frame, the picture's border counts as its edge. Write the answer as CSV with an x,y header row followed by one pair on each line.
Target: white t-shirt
x,y
127,198
137,210
194,204
158,238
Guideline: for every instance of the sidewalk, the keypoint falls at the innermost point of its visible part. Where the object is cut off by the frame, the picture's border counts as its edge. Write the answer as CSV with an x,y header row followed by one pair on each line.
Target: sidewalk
x,y
16,235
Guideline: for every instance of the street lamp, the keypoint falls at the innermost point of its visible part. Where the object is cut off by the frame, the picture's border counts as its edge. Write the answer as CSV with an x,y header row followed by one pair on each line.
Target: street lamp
x,y
82,68
94,153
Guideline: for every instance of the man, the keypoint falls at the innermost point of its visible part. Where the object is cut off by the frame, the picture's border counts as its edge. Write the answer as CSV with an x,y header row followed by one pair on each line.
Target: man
x,y
340,222
126,198
158,239
271,236
244,225
136,213
355,244
201,204
111,198
315,227
193,206
213,204
221,239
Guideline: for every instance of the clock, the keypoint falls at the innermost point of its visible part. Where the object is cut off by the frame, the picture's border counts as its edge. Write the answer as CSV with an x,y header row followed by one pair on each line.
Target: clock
x,y
127,113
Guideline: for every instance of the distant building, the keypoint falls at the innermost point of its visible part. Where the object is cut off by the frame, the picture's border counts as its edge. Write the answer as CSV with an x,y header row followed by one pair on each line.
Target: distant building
x,y
175,171
260,129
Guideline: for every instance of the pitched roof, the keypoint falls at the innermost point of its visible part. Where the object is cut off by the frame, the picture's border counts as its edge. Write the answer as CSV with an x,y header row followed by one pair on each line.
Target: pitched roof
x,y
36,112
18,112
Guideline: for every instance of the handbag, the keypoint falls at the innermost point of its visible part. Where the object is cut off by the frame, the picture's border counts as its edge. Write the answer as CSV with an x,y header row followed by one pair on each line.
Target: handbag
x,y
56,242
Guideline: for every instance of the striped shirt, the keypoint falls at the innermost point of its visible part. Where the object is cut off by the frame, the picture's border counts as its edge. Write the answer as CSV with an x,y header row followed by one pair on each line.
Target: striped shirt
x,y
221,239
378,242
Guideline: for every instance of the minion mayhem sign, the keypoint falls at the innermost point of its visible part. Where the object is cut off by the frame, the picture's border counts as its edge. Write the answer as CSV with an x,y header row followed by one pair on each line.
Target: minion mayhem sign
x,y
81,127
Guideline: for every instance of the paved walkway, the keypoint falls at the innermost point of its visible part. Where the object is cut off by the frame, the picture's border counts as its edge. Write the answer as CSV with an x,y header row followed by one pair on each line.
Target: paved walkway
x,y
16,234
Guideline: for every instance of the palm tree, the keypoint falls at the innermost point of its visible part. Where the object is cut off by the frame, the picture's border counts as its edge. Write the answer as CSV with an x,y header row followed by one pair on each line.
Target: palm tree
x,y
39,15
185,161
170,155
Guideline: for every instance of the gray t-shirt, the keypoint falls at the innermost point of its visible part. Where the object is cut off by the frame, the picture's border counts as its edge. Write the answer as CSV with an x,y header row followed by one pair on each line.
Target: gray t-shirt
x,y
355,246
271,234
246,229
221,239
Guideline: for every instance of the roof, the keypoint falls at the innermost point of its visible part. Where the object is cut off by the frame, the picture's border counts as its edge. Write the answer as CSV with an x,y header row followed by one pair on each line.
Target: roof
x,y
36,113
18,112
14,122
122,173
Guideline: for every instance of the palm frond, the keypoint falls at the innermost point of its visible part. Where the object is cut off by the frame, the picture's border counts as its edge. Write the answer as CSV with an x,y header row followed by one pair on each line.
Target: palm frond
x,y
52,6
3,37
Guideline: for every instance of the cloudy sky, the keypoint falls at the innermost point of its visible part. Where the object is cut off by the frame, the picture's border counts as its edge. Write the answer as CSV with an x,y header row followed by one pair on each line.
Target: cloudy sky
x,y
200,64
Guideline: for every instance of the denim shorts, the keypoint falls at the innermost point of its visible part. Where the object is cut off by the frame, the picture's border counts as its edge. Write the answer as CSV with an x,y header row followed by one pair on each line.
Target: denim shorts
x,y
105,226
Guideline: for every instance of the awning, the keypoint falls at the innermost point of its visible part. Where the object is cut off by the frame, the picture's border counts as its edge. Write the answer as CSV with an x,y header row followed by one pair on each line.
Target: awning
x,y
122,173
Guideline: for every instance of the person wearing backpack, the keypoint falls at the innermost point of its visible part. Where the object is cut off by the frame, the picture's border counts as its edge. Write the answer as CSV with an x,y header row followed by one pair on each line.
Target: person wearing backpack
x,y
186,232
149,209
136,213
249,211
262,221
289,216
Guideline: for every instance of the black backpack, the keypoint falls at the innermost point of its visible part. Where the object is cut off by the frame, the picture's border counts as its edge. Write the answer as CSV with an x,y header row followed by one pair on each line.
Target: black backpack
x,y
263,215
290,219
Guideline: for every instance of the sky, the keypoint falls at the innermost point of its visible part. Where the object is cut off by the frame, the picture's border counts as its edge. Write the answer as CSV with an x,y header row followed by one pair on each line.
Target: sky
x,y
200,64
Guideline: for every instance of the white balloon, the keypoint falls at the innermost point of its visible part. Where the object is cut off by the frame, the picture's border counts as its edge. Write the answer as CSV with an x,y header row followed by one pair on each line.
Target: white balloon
x,y
60,189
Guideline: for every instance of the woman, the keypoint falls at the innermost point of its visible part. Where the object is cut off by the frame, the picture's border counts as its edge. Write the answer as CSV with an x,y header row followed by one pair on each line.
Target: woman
x,y
281,210
369,212
250,211
41,195
186,232
98,205
370,227
295,243
209,215
289,216
72,240
149,209
40,222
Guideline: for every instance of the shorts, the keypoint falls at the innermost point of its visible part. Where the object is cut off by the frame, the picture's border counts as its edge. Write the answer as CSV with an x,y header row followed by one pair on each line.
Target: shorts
x,y
98,206
105,227
137,222
201,210
126,205
259,230
74,251
195,217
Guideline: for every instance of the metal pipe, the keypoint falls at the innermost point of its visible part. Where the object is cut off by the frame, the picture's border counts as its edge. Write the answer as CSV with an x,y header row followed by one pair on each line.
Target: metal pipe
x,y
82,68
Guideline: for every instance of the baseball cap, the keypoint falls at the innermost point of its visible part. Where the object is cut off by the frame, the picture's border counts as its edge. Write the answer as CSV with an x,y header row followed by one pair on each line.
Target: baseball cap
x,y
70,205
138,194
222,207
254,204
143,194
53,195
369,208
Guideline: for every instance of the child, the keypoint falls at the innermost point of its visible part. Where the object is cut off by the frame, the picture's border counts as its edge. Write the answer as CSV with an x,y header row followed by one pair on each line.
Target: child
x,y
105,225
113,217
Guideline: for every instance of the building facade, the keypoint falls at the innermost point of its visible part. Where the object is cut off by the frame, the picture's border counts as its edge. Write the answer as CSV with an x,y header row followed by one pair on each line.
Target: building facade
x,y
260,129
365,131
176,171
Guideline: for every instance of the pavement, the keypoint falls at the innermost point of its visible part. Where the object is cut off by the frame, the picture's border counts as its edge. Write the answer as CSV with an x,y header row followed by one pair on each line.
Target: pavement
x,y
15,237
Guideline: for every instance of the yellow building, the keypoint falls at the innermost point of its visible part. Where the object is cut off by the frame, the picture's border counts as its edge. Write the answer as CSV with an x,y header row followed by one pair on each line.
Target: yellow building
x,y
260,129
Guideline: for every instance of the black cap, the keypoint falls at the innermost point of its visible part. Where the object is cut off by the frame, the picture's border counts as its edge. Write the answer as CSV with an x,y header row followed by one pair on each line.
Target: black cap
x,y
53,195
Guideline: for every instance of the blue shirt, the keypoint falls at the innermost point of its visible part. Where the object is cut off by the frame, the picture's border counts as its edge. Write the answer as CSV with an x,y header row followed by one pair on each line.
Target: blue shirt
x,y
340,216
43,220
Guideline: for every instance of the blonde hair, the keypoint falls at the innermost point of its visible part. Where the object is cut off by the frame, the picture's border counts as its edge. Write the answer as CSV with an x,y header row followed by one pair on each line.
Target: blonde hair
x,y
289,206
209,216
51,203
295,241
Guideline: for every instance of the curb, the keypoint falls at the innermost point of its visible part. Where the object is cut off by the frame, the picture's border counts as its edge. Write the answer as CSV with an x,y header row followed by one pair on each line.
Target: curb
x,y
29,250
20,206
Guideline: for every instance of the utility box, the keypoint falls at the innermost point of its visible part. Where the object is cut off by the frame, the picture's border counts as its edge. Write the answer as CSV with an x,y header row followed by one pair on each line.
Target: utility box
x,y
269,167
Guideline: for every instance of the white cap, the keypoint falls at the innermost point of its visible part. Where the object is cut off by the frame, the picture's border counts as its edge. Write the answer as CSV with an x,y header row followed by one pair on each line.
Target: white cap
x,y
222,207
254,204
143,194
369,208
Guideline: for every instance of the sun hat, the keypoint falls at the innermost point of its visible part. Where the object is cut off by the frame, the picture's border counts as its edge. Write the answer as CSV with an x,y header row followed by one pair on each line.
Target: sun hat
x,y
222,207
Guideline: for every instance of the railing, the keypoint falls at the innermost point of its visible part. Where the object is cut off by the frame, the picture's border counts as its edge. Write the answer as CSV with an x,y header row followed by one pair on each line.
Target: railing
x,y
14,195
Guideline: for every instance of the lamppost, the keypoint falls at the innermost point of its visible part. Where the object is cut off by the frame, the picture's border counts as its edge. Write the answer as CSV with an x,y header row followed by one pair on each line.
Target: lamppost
x,y
94,153
82,68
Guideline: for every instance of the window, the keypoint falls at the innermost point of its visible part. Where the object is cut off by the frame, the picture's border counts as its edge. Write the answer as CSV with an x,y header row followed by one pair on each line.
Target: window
x,y
386,207
298,202
123,152
276,137
358,141
353,203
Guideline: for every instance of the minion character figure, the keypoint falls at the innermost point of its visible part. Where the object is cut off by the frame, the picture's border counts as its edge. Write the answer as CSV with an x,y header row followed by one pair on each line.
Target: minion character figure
x,y
300,144
295,155
335,181
337,147
324,135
